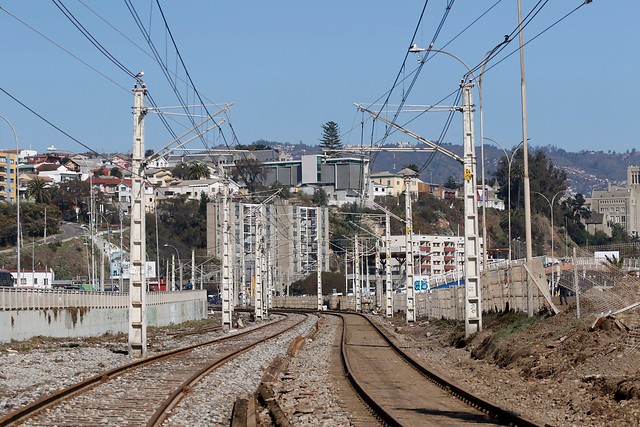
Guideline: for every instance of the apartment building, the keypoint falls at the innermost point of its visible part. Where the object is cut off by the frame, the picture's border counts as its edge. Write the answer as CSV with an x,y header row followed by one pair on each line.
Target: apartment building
x,y
290,239
8,183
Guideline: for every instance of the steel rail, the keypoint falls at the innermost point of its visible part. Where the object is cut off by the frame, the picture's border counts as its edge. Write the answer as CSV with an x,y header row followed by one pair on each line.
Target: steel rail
x,y
377,409
47,401
466,396
174,398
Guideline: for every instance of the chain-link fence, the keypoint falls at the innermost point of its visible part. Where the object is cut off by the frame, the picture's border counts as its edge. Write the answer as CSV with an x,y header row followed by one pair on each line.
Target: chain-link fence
x,y
601,286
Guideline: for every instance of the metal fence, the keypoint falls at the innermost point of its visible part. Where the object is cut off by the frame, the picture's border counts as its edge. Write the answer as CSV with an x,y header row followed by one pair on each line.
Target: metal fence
x,y
600,286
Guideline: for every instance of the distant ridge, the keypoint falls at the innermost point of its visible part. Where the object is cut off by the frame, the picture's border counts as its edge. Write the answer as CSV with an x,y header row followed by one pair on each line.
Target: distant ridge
x,y
586,170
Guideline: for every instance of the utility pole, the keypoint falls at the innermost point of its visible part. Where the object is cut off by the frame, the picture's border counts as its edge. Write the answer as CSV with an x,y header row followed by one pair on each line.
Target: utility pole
x,y
265,273
378,277
357,285
346,272
243,267
137,344
173,272
389,280
269,281
92,232
193,268
525,160
227,310
411,299
473,309
319,256
120,214
259,313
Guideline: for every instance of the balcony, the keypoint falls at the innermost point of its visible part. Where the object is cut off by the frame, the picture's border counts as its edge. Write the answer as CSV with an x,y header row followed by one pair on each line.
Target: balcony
x,y
425,248
449,249
449,258
425,258
449,267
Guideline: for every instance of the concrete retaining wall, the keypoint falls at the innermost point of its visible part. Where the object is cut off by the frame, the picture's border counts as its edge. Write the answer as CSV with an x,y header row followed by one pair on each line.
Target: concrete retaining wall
x,y
84,322
502,289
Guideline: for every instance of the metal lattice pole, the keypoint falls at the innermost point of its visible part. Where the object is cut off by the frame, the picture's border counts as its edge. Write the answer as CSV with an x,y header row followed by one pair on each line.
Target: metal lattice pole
x,y
411,298
137,344
389,279
473,312
227,309
357,285
258,266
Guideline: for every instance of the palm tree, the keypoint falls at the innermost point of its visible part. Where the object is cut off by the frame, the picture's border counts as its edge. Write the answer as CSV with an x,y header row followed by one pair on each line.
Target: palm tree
x,y
197,170
37,190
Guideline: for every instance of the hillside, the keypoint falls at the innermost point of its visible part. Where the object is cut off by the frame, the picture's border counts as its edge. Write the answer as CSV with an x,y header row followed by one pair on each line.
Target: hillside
x,y
586,170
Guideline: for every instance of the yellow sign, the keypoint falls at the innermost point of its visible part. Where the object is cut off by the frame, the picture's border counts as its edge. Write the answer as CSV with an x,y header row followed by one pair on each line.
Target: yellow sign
x,y
467,174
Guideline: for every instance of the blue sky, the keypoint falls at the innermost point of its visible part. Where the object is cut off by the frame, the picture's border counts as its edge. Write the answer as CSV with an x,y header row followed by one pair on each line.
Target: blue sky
x,y
290,66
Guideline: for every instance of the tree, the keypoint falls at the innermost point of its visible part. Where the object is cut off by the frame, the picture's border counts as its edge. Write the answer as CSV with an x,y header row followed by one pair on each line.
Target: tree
x,y
285,191
115,171
451,183
179,170
197,170
331,138
320,197
250,172
412,166
547,179
68,196
37,190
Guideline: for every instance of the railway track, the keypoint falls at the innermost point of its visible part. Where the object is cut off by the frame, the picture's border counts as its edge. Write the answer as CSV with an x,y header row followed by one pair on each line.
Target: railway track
x,y
143,392
402,392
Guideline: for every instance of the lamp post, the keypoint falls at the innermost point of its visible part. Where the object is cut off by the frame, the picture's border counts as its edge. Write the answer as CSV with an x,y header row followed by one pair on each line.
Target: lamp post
x,y
485,60
166,245
102,253
91,210
15,136
473,290
551,209
509,162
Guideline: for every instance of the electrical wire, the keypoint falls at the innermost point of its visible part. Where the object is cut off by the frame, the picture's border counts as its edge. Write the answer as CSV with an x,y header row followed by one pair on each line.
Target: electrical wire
x,y
104,51
68,52
48,122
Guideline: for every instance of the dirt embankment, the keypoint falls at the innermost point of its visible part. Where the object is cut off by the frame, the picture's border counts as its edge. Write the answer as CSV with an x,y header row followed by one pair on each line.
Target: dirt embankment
x,y
554,369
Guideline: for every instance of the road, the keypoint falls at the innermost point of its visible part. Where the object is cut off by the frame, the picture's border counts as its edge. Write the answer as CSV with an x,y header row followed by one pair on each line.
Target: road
x,y
69,230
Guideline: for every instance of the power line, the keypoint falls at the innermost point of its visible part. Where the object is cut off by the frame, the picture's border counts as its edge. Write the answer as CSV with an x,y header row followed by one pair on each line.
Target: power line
x,y
63,49
91,39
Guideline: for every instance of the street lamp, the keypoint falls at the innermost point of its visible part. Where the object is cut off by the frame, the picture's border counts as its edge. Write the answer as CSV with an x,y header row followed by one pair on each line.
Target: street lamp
x,y
102,252
91,209
15,135
473,301
166,245
551,209
485,60
509,162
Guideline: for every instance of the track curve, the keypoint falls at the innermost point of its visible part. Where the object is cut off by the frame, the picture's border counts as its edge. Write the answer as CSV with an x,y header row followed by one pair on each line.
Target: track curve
x,y
401,391
142,392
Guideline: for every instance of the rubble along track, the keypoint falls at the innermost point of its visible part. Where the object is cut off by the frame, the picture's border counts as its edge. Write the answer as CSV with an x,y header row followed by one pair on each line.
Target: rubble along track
x,y
145,391
403,392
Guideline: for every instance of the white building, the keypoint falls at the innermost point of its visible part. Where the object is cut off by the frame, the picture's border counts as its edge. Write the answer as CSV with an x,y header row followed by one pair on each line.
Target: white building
x,y
34,279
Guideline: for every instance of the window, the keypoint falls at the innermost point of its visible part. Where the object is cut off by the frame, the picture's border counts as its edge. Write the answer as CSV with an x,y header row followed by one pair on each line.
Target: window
x,y
35,280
